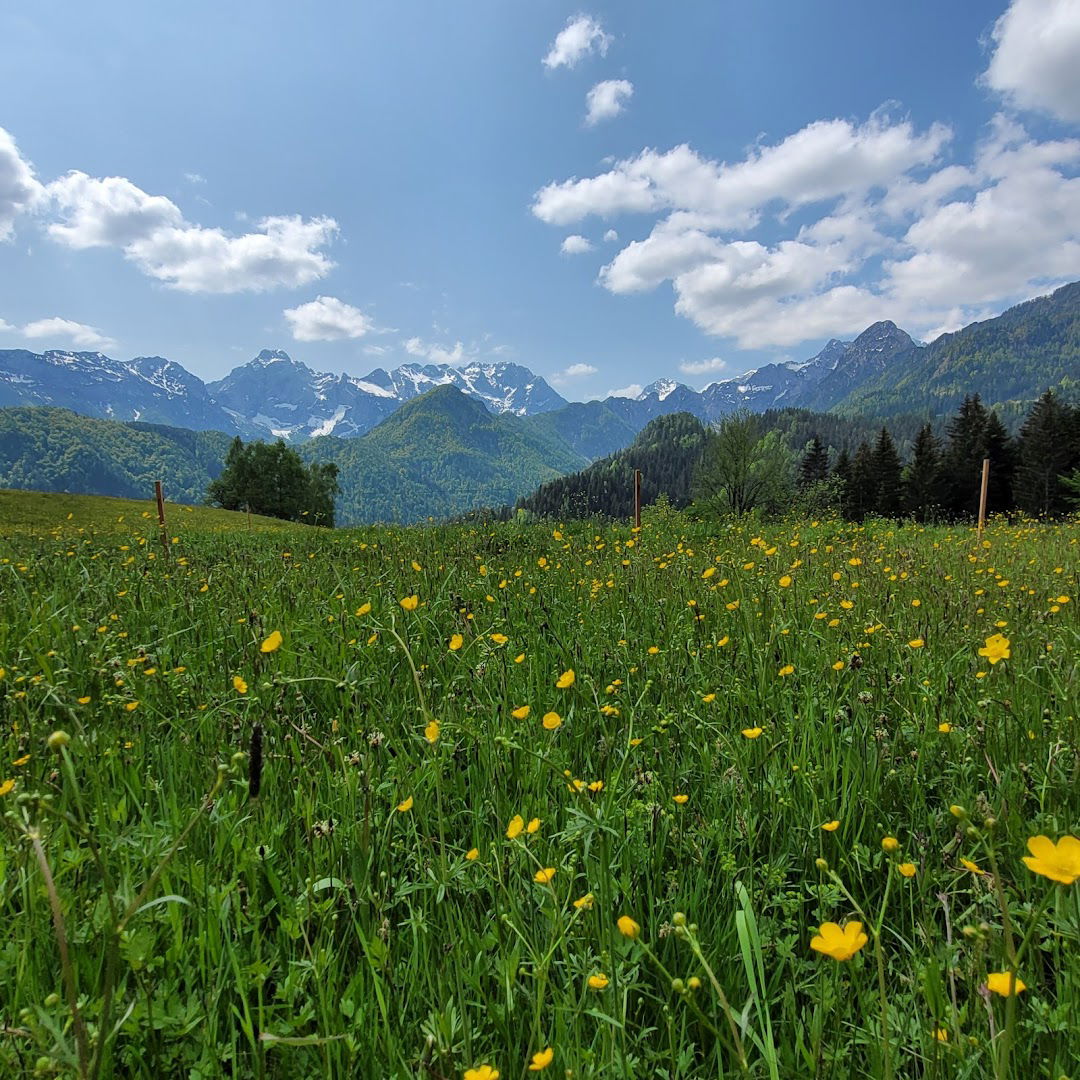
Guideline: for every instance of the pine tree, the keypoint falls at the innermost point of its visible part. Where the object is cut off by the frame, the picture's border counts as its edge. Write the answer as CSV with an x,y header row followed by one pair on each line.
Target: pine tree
x,y
999,448
963,457
1046,454
923,483
886,474
861,500
814,467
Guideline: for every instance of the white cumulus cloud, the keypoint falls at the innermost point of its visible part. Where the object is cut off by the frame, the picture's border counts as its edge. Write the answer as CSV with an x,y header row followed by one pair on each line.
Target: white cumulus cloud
x,y
326,318
703,367
574,371
634,390
1036,59
437,354
581,36
20,190
78,334
107,212
606,100
575,245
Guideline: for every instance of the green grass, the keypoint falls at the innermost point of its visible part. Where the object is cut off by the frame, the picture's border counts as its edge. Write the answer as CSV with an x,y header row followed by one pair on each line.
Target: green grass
x,y
322,929
39,510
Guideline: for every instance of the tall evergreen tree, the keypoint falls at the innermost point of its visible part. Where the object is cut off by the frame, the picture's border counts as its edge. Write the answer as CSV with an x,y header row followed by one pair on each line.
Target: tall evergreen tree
x,y
814,467
861,499
886,474
963,457
999,448
923,483
1047,453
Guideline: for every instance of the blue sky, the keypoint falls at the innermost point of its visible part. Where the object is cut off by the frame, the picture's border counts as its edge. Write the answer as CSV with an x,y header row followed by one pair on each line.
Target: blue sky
x,y
369,184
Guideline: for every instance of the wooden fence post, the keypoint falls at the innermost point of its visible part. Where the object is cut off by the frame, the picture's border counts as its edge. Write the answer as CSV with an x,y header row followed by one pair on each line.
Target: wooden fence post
x,y
160,496
982,495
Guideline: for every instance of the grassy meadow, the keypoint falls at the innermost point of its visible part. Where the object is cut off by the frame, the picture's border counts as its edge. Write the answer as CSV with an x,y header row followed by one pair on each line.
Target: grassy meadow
x,y
466,802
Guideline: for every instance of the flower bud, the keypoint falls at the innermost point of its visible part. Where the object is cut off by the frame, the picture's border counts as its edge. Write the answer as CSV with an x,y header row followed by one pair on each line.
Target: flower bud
x,y
890,844
822,865
694,983
958,812
678,919
58,740
678,986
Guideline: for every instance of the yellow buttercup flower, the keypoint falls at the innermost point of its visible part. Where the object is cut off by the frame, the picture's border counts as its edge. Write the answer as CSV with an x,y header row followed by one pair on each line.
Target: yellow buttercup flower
x,y
890,844
516,826
409,603
239,685
996,648
973,867
627,927
542,1060
20,762
406,806
785,581
681,799
7,787
585,902
1059,862
599,981
431,732
544,876
566,679
499,639
752,732
916,643
456,641
481,1072
520,713
551,720
272,643
839,942
907,869
831,826
1005,983
787,669
533,826
472,854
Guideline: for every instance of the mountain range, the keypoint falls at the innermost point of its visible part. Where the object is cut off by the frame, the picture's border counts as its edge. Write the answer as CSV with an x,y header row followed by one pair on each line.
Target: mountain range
x,y
1011,358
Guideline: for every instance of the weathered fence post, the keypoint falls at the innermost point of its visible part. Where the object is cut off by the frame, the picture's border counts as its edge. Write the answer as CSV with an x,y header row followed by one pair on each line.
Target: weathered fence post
x,y
982,494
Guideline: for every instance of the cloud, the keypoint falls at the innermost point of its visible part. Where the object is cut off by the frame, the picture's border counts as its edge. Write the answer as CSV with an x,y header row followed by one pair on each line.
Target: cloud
x,y
20,191
606,100
80,335
703,367
574,371
375,350
575,245
581,36
6,327
1036,59
825,160
327,319
436,354
109,212
611,236
634,390
280,252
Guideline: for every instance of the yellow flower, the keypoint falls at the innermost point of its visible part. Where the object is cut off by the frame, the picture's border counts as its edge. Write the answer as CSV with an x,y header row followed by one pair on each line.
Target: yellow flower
x,y
997,648
551,720
514,829
967,864
409,602
785,581
472,854
405,807
519,658
787,669
585,902
1004,983
481,1072
541,1060
84,701
598,981
543,877
456,641
431,732
521,712
916,643
941,1034
533,826
708,698
752,732
131,706
831,826
944,727
890,844
499,639
272,643
839,942
7,787
708,572
627,927
416,566
1059,862
907,869
681,799
239,685
20,762
363,609
566,679
838,666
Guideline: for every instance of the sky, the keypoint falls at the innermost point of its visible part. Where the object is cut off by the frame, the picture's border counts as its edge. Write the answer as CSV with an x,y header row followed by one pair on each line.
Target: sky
x,y
607,194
